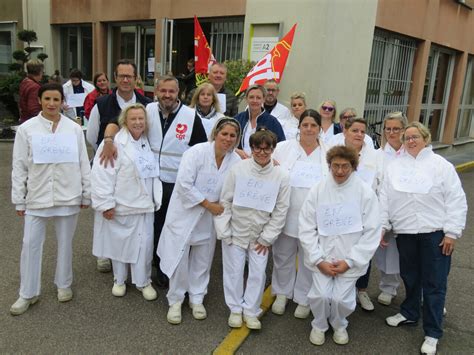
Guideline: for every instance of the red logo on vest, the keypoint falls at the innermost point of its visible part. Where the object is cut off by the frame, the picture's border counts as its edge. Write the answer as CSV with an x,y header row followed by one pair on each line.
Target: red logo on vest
x,y
181,131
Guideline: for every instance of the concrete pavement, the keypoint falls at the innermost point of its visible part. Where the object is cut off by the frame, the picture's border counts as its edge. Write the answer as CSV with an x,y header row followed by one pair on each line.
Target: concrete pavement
x,y
96,322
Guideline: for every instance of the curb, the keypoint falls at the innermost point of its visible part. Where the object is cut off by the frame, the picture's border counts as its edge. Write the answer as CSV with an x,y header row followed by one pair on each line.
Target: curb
x,y
465,166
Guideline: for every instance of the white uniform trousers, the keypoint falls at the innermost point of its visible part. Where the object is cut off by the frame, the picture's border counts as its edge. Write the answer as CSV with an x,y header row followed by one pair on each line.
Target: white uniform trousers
x,y
389,283
32,252
192,273
233,259
332,298
141,270
286,280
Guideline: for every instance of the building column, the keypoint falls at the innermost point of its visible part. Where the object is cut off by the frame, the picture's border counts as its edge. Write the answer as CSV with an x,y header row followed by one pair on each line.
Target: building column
x,y
99,48
455,96
418,80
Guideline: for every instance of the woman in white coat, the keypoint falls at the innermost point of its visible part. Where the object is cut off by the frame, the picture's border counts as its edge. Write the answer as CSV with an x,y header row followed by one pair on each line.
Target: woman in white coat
x,y
255,197
339,229
386,256
125,197
423,202
187,243
50,180
206,104
369,170
304,157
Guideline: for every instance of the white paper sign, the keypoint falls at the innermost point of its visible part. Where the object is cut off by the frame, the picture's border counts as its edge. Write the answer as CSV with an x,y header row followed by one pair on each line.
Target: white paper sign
x,y
146,165
412,181
366,174
340,218
76,100
151,64
54,148
304,174
222,102
260,46
255,193
207,184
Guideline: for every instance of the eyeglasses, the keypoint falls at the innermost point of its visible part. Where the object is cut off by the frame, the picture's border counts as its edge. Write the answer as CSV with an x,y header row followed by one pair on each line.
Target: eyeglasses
x,y
347,117
272,90
266,150
327,108
392,129
412,138
123,77
344,167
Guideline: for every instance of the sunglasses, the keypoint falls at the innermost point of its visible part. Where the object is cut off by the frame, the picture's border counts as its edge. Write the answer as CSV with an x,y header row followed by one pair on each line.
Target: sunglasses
x,y
327,108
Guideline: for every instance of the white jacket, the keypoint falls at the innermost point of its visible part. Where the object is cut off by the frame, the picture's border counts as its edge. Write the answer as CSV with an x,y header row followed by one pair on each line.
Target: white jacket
x,y
121,187
290,127
443,207
244,226
281,113
185,211
357,248
68,90
287,153
36,186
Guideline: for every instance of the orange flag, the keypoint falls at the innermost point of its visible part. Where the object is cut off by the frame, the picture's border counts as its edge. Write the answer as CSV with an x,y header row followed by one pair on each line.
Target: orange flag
x,y
271,66
203,57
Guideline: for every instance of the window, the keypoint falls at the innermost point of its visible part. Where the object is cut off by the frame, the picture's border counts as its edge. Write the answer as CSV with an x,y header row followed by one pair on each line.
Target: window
x,y
136,42
7,45
436,90
76,50
390,71
465,128
227,38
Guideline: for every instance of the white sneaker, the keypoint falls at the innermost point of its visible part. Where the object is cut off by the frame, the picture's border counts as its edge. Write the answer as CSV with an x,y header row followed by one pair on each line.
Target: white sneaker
x,y
252,322
429,346
119,290
148,292
385,299
64,294
174,314
302,312
340,336
364,301
279,305
235,320
317,337
199,312
397,320
21,305
104,265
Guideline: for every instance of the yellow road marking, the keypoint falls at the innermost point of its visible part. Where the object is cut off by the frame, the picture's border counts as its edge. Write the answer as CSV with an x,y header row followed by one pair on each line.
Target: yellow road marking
x,y
463,167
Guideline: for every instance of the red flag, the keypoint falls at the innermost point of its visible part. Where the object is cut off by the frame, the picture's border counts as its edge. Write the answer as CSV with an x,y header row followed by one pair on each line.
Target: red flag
x,y
203,57
271,66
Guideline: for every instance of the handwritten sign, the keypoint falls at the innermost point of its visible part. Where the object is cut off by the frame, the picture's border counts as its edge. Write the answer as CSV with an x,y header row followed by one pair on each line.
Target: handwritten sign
x,y
207,184
256,193
76,100
146,165
340,218
412,181
304,174
54,148
222,102
366,173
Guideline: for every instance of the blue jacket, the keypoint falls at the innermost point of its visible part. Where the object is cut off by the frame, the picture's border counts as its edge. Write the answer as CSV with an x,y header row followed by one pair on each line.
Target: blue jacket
x,y
263,120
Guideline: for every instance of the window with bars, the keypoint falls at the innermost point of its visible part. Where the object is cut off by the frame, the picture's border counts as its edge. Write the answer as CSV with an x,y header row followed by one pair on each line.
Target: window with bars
x,y
464,127
390,72
76,50
226,39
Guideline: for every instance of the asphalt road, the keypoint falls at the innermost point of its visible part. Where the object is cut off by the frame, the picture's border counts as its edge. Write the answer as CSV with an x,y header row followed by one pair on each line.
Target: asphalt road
x,y
96,322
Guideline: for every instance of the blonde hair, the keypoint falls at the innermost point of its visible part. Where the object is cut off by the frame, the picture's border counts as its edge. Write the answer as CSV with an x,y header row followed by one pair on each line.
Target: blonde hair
x,y
396,116
122,120
425,132
215,99
219,126
298,95
333,103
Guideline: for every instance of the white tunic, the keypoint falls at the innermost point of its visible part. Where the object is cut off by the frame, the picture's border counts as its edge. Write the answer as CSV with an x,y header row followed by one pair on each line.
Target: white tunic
x,y
423,195
290,127
287,153
133,197
357,248
187,221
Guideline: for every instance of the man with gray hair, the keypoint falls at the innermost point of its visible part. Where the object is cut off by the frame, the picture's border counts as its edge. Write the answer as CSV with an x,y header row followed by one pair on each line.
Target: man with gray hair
x,y
271,104
29,87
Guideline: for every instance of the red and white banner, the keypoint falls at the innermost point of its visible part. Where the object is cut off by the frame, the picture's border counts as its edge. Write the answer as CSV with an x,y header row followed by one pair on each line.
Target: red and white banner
x,y
271,66
203,57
